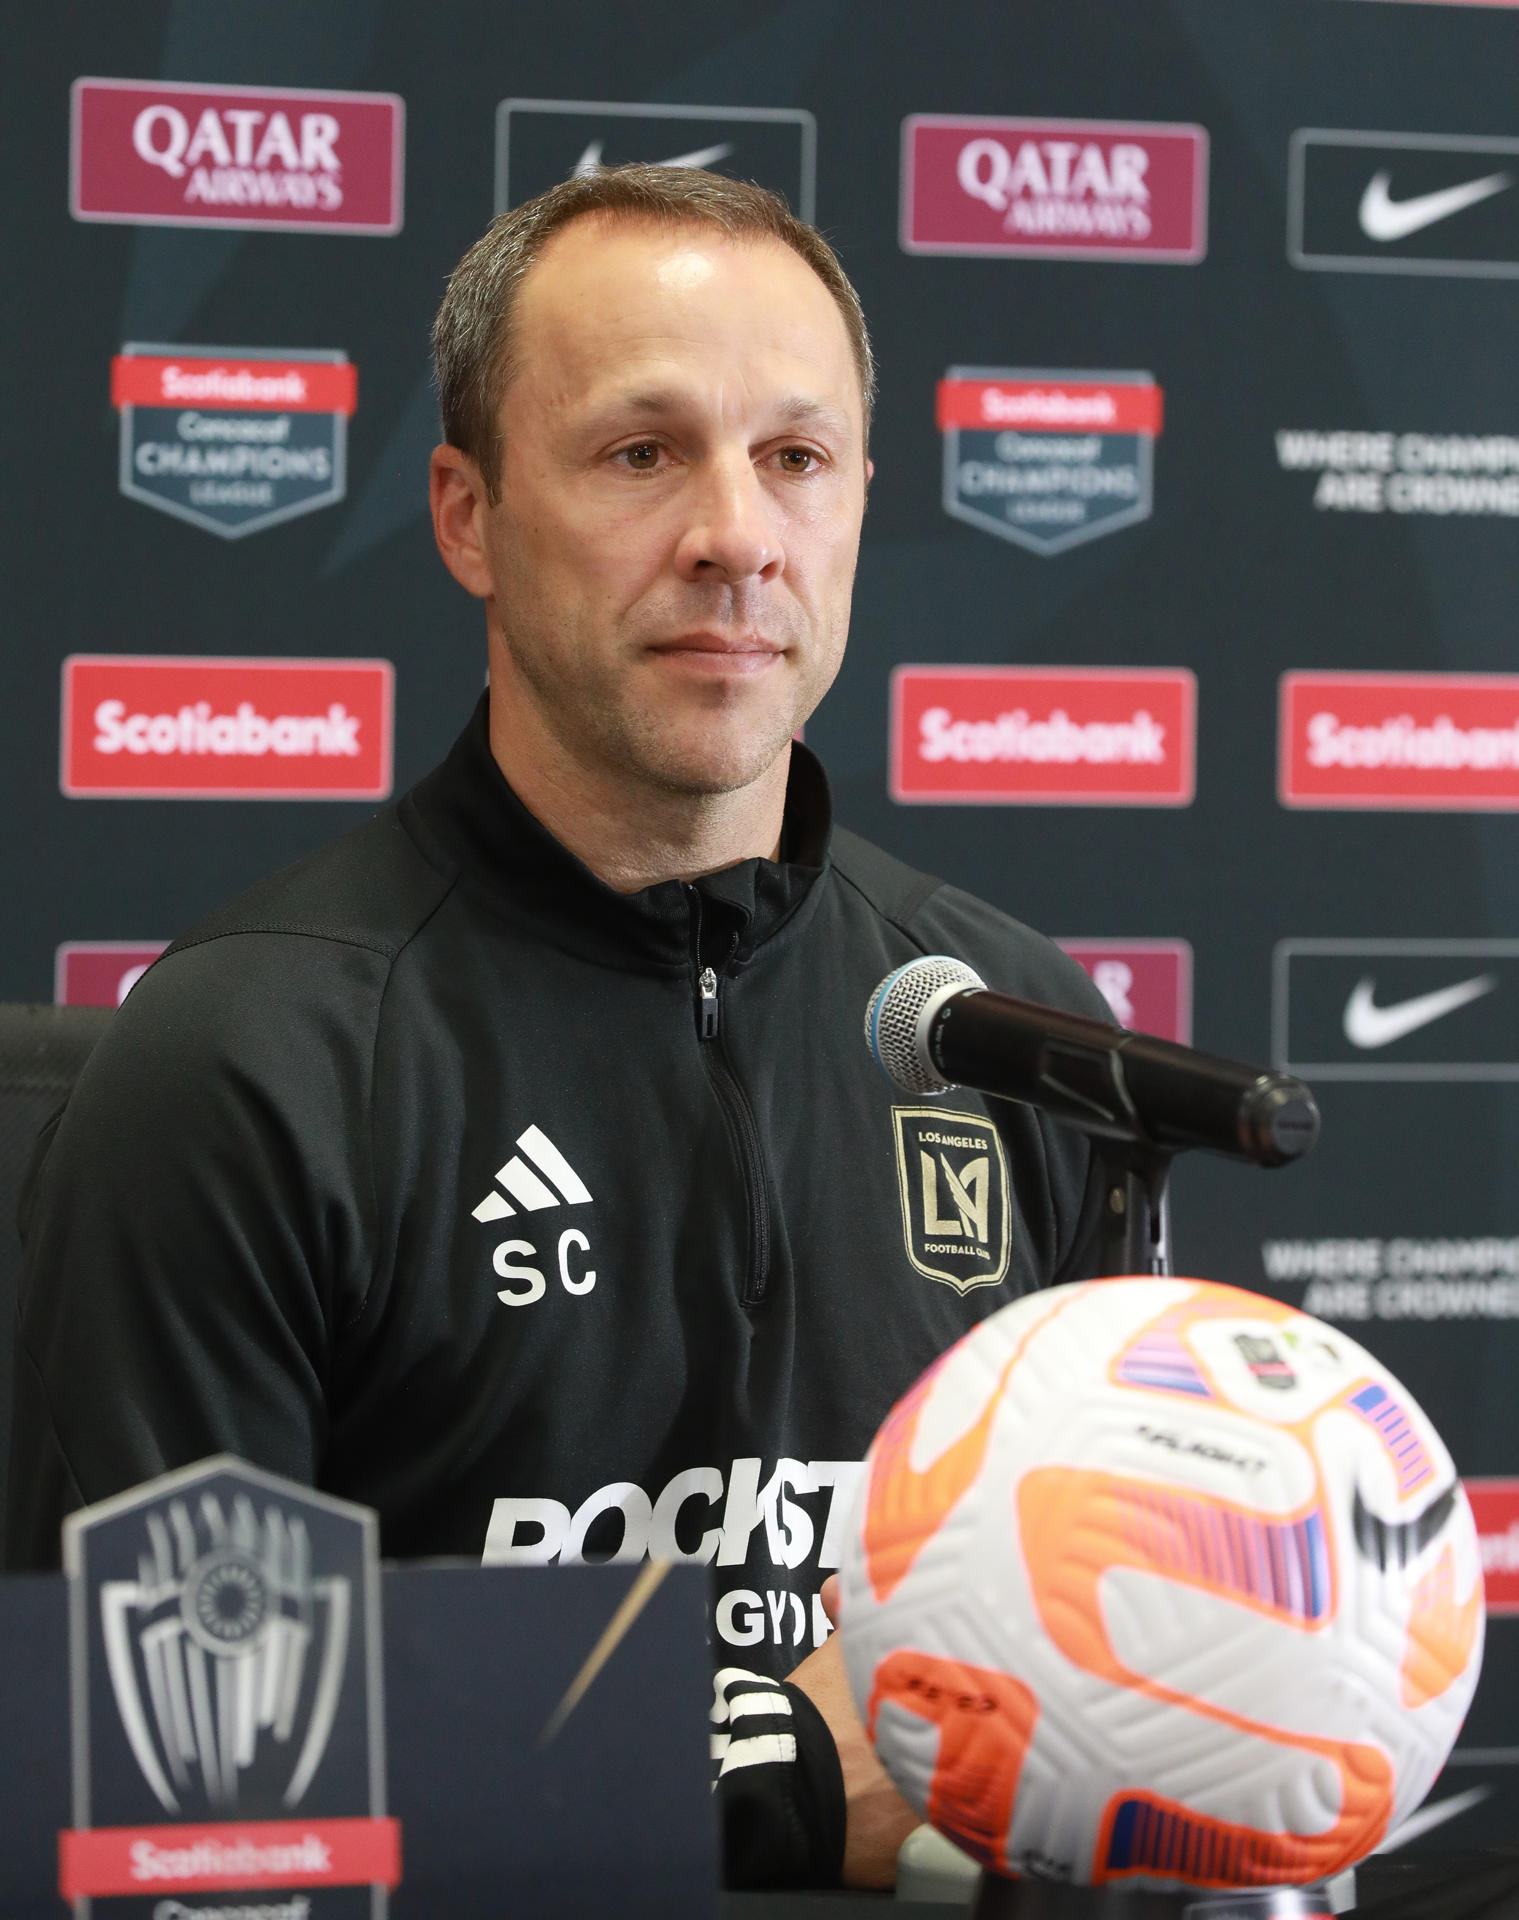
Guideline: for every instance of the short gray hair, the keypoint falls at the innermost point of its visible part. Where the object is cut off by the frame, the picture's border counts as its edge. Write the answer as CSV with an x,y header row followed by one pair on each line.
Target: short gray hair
x,y
472,334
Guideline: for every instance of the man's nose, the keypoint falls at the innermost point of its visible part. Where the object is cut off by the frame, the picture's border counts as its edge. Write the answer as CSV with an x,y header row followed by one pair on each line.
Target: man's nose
x,y
733,532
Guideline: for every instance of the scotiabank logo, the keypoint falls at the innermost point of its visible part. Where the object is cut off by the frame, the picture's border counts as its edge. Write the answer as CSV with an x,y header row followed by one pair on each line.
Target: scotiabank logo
x,y
1054,189
211,729
150,153
262,1857
1044,736
1495,1508
1401,741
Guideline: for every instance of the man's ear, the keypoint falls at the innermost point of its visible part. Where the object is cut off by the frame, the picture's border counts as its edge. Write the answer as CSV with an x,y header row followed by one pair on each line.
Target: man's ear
x,y
459,503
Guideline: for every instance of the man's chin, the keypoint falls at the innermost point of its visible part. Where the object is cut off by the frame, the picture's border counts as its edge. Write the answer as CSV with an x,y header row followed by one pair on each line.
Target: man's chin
x,y
711,765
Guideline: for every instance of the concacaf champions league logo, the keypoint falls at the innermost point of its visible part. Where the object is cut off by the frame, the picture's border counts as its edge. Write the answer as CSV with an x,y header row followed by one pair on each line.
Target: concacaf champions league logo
x,y
952,1178
225,1668
1048,460
233,439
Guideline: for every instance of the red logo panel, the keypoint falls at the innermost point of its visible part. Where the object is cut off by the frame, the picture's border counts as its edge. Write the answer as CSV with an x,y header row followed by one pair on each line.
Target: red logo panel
x,y
174,728
157,154
255,1854
1401,741
1495,1508
1063,189
1044,736
1146,983
236,385
100,973
1050,405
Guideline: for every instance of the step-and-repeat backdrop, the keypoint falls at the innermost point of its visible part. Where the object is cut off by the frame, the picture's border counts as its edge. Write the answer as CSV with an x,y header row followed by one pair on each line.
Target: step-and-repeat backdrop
x,y
1186,619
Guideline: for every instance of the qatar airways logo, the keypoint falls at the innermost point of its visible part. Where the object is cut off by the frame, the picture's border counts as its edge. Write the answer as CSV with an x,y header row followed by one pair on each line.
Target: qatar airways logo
x,y
1146,983
1082,736
1401,741
100,973
155,153
1054,189
200,729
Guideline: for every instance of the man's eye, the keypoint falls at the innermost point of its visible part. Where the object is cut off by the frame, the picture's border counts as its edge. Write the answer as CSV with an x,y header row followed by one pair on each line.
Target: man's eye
x,y
643,458
797,459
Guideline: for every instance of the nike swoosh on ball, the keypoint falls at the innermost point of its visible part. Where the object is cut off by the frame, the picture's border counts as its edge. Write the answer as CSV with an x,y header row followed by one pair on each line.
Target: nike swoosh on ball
x,y
1367,1025
1383,218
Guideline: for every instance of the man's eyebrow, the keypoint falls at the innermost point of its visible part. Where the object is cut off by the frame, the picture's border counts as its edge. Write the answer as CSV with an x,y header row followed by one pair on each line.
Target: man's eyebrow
x,y
649,400
801,410
796,410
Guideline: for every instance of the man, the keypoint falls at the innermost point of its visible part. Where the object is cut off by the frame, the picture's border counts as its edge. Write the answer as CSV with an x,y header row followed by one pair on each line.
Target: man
x,y
514,1165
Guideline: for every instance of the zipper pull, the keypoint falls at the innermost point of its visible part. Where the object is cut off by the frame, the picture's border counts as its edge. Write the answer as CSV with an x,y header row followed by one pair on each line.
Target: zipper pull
x,y
706,987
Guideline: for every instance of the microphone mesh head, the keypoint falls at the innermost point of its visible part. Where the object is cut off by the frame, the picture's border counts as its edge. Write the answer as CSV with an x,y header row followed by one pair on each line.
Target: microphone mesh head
x,y
895,1019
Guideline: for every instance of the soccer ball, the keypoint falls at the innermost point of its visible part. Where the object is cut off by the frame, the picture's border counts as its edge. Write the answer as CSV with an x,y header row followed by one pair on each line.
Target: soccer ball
x,y
1162,1583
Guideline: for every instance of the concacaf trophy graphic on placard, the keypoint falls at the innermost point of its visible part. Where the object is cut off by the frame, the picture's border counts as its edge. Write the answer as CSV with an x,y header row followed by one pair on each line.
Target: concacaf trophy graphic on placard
x,y
225,1679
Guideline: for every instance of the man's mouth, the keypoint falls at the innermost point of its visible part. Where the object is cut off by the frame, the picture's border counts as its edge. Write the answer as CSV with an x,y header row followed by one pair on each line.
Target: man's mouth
x,y
724,653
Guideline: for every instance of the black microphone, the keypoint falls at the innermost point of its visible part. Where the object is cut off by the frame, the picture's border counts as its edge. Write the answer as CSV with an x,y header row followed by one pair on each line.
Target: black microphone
x,y
934,1024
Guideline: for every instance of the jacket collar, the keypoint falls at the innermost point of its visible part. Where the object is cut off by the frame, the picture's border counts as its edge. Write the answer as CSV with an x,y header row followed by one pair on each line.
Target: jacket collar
x,y
509,861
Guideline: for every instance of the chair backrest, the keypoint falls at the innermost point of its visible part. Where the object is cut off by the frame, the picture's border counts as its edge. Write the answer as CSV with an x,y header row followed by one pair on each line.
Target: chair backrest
x,y
41,1052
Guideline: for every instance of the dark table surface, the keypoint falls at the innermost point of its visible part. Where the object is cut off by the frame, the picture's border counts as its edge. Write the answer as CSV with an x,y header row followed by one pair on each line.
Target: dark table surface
x,y
1441,1885
1427,1886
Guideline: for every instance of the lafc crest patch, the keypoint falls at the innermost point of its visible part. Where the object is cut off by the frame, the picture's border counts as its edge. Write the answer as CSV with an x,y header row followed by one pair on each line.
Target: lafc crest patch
x,y
952,1176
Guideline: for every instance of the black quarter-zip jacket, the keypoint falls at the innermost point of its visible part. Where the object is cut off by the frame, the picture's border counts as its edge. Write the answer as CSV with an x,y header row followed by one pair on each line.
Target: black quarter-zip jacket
x,y
552,1223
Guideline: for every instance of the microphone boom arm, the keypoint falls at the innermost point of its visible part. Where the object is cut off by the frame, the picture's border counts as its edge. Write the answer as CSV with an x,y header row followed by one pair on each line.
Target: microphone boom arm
x,y
1099,1078
1088,1074
933,1024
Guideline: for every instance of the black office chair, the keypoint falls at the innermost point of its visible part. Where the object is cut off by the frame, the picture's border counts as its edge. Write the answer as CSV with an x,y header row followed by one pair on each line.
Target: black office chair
x,y
41,1052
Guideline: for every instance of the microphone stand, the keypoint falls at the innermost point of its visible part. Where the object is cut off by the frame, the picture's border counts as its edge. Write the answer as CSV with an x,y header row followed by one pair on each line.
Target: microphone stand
x,y
1134,1235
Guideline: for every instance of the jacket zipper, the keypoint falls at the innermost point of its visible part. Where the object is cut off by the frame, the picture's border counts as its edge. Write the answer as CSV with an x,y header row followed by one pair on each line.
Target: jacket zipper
x,y
706,992
740,1116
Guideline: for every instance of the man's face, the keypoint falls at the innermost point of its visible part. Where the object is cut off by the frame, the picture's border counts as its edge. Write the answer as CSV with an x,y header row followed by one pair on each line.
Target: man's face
x,y
682,489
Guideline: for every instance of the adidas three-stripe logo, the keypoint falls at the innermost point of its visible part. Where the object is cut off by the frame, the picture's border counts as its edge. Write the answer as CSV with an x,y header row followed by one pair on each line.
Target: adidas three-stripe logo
x,y
757,1720
536,1176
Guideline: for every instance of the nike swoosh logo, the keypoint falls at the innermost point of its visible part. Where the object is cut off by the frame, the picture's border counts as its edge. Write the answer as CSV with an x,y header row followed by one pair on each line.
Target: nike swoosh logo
x,y
1367,1025
590,160
1383,218
1393,1543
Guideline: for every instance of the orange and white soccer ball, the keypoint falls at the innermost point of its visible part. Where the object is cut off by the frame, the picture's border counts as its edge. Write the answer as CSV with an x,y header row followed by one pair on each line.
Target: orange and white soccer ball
x,y
1162,1583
